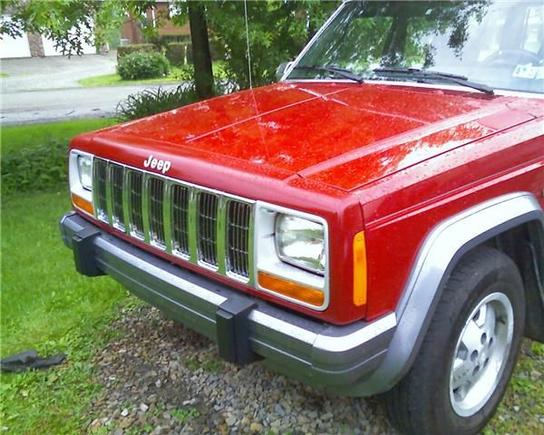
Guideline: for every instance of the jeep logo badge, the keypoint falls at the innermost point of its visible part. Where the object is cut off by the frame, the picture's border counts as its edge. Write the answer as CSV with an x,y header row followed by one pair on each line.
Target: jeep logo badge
x,y
159,165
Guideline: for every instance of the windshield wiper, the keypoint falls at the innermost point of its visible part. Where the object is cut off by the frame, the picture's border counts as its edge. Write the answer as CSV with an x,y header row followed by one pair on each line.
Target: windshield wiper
x,y
422,74
340,72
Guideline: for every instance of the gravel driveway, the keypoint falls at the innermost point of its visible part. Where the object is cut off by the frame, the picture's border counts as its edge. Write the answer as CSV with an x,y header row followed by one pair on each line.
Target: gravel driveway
x,y
160,377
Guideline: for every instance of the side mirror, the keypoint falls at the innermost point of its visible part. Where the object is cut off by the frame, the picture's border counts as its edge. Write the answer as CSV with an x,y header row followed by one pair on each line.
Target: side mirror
x,y
280,70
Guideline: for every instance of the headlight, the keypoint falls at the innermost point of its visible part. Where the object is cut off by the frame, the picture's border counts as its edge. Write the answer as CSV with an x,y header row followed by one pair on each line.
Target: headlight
x,y
291,255
81,183
84,166
301,242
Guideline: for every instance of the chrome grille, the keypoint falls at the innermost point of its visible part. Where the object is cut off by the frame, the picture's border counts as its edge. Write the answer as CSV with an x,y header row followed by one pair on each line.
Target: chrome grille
x,y
207,228
156,218
117,211
180,213
134,181
200,225
238,237
100,175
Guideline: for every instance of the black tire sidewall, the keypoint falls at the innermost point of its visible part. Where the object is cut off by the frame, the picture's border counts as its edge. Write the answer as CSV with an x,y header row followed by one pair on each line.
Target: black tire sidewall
x,y
504,279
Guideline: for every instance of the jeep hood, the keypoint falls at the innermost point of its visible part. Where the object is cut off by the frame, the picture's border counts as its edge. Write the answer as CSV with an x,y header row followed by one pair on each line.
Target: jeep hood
x,y
343,135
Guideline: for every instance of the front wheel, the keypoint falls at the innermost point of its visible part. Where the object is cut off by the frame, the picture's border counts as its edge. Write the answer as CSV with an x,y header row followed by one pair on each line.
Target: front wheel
x,y
469,352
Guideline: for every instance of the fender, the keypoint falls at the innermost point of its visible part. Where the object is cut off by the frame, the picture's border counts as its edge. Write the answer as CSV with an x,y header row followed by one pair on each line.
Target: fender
x,y
440,253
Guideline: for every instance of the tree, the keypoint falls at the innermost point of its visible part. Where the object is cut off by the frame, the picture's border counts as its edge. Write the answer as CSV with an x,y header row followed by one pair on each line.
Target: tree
x,y
202,59
73,23
195,12
278,29
277,32
68,23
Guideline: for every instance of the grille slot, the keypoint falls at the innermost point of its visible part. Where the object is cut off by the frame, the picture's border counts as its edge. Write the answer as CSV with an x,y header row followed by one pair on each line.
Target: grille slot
x,y
180,222
135,180
207,228
156,219
100,179
238,238
117,214
200,225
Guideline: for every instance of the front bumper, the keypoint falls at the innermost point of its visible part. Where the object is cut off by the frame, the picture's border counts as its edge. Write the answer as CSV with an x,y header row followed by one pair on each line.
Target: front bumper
x,y
245,328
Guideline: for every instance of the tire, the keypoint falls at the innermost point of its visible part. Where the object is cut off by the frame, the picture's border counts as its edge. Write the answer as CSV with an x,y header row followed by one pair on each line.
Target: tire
x,y
433,398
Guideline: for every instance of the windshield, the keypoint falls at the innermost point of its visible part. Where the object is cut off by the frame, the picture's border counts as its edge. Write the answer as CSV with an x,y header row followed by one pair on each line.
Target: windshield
x,y
497,43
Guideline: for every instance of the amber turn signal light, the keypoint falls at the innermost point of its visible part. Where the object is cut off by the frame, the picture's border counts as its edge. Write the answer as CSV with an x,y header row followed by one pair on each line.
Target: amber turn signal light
x,y
359,269
291,289
82,204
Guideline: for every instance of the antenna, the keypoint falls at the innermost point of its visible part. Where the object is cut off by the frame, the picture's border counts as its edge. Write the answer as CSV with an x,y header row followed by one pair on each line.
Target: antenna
x,y
248,48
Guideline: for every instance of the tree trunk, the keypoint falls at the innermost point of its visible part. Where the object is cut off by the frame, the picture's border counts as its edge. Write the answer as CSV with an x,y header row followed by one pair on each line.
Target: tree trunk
x,y
395,42
202,59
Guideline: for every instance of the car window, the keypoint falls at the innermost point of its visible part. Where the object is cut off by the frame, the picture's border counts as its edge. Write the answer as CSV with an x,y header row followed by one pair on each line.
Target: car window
x,y
498,43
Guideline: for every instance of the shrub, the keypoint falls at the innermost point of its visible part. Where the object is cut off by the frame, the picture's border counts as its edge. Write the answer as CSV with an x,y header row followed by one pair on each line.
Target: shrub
x,y
143,65
184,73
132,48
35,168
175,53
217,49
152,101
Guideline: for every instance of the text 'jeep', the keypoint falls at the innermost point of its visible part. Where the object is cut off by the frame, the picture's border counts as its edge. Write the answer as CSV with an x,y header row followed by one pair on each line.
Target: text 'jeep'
x,y
371,223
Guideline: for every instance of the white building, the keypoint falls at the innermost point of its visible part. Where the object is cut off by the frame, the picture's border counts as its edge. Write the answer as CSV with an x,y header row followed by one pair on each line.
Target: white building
x,y
32,45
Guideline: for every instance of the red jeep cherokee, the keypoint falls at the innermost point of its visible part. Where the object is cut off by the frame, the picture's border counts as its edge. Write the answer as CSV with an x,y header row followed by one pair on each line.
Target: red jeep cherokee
x,y
371,223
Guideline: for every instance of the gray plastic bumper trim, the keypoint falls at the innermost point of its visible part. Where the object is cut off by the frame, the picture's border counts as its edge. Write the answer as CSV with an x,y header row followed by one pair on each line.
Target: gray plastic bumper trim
x,y
318,353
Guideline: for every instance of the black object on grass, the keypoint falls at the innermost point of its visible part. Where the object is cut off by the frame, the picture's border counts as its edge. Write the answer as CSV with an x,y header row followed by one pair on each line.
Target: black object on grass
x,y
29,360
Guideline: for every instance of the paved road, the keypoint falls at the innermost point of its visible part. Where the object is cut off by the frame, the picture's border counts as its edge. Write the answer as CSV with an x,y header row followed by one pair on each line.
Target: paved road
x,y
57,104
55,72
47,89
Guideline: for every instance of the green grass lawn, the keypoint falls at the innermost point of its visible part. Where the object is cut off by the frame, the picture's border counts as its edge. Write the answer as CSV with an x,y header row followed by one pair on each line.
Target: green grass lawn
x,y
28,135
522,408
116,80
47,305
177,75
